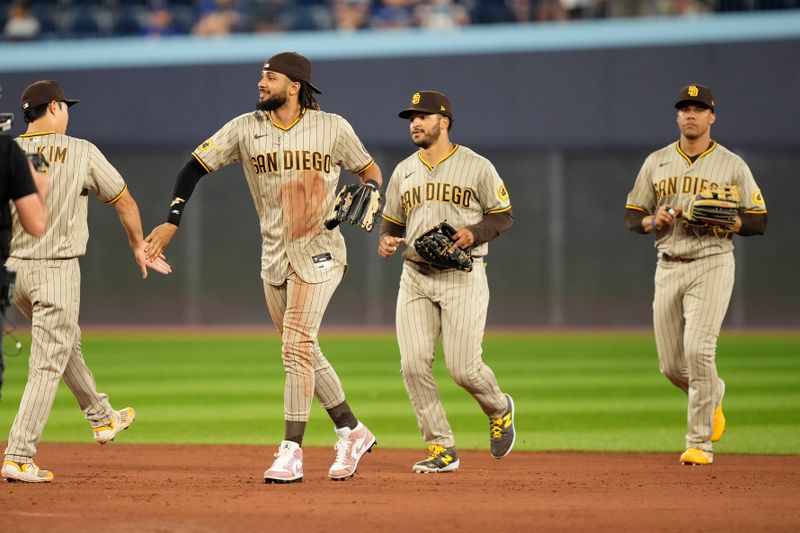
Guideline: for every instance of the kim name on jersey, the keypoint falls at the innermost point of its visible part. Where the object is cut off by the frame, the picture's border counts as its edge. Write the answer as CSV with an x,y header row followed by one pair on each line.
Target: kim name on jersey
x,y
436,192
291,160
682,185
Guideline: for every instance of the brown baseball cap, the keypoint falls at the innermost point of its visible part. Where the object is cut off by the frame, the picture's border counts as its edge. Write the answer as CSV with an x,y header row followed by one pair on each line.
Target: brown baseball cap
x,y
43,92
695,93
293,65
428,102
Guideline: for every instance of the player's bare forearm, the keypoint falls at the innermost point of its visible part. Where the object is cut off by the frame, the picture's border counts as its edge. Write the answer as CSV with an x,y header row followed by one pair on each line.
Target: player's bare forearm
x,y
128,212
372,172
158,239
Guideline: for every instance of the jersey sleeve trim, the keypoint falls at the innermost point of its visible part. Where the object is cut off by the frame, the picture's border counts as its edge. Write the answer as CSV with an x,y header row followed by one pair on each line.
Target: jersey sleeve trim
x,y
201,162
501,210
755,211
117,197
365,168
635,208
393,221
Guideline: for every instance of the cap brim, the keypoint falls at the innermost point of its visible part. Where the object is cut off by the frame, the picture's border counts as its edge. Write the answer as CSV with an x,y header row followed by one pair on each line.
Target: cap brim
x,y
690,101
406,113
314,88
71,103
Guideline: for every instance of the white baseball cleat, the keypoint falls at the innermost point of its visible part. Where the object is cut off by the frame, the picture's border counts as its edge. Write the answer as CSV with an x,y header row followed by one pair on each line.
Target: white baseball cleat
x,y
350,448
26,472
288,464
120,421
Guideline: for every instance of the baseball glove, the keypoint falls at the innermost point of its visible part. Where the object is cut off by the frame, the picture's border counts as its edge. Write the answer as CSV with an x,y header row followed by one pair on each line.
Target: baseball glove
x,y
713,208
359,204
434,246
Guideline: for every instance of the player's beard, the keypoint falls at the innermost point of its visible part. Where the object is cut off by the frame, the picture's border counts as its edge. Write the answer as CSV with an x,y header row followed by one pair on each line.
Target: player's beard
x,y
272,103
429,139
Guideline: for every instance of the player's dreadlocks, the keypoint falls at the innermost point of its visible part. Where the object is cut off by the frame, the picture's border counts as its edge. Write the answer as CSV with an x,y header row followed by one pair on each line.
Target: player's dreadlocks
x,y
307,98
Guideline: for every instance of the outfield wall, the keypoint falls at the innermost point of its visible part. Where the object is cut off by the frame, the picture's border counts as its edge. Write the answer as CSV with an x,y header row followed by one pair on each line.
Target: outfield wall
x,y
566,112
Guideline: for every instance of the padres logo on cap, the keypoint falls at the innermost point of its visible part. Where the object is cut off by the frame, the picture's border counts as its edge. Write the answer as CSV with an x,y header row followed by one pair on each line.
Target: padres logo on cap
x,y
693,90
415,99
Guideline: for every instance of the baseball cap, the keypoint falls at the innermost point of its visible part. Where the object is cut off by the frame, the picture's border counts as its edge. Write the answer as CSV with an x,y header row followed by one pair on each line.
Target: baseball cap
x,y
293,65
43,92
696,93
428,102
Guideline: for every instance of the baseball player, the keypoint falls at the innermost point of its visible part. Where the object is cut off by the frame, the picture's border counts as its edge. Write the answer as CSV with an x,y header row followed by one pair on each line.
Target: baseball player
x,y
292,154
695,271
48,277
445,181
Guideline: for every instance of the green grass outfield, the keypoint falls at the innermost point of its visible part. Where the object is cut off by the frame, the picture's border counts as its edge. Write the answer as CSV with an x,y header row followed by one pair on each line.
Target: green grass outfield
x,y
573,390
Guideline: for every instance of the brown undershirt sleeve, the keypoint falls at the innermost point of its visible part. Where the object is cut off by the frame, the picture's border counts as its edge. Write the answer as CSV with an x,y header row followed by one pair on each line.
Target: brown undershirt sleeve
x,y
491,226
391,229
633,219
753,224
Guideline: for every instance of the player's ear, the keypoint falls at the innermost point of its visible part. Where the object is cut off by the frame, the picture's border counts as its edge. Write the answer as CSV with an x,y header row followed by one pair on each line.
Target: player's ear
x,y
712,119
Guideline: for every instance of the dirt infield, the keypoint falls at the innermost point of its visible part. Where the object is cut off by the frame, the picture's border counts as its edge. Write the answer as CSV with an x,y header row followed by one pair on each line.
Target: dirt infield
x,y
219,488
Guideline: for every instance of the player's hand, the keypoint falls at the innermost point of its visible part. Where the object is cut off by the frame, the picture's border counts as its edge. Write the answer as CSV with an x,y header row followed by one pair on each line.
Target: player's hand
x,y
463,238
388,245
158,240
159,264
666,216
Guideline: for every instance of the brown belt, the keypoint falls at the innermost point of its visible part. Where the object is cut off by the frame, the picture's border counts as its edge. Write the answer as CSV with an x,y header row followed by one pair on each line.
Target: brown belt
x,y
672,258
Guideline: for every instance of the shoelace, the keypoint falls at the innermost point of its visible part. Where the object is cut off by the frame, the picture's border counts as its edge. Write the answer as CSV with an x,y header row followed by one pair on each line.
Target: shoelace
x,y
342,447
284,453
496,427
435,451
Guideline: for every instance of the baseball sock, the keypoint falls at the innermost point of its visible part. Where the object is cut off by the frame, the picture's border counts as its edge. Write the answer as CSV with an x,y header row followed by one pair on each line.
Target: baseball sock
x,y
342,416
295,431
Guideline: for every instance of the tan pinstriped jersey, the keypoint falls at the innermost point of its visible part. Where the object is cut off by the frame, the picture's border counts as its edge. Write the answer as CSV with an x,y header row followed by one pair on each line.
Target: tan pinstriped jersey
x,y
461,188
669,177
292,174
76,167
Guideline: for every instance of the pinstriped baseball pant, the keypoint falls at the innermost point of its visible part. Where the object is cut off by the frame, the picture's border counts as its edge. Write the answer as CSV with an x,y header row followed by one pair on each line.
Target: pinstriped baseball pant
x,y
454,304
48,292
690,303
297,308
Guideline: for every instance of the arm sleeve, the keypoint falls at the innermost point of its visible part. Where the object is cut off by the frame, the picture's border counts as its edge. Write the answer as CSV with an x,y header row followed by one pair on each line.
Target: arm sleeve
x,y
21,182
753,224
185,183
389,228
633,220
349,150
492,225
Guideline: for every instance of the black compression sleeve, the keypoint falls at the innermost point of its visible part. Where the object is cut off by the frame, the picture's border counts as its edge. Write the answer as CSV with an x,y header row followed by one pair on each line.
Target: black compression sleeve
x,y
187,179
753,224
